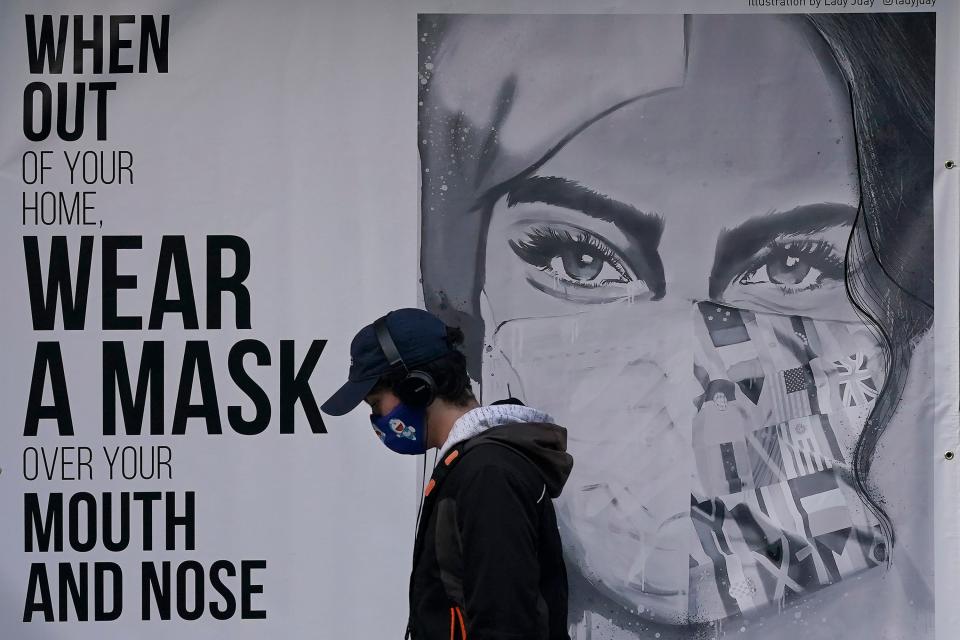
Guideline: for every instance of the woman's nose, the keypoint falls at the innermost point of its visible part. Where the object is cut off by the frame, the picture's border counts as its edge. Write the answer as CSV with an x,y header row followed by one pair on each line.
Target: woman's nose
x,y
687,259
688,292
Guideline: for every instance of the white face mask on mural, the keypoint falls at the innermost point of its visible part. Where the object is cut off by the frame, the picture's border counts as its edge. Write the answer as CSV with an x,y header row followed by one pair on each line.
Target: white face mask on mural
x,y
711,448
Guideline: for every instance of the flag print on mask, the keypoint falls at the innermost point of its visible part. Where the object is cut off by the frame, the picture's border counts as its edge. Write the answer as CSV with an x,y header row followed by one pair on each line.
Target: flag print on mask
x,y
856,385
712,449
774,481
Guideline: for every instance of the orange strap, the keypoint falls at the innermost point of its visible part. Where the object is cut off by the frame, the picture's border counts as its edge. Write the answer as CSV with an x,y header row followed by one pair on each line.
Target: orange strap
x,y
463,629
451,623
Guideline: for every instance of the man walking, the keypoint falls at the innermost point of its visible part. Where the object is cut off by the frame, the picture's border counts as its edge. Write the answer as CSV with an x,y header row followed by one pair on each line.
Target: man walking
x,y
488,562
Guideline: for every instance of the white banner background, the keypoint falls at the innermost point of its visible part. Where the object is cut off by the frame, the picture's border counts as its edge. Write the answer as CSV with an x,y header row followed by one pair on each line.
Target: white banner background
x,y
293,125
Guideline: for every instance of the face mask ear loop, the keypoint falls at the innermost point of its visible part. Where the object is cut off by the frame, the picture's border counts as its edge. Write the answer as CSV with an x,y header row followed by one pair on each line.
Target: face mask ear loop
x,y
423,478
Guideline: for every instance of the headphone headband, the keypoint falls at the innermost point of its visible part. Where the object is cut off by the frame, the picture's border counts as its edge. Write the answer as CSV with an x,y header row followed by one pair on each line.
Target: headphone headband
x,y
386,343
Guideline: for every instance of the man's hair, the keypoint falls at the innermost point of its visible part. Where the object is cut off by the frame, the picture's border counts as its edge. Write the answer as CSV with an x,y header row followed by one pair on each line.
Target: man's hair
x,y
448,371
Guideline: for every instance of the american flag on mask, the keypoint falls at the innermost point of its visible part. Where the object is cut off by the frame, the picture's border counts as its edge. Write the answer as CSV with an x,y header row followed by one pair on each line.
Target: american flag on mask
x,y
796,384
794,394
792,449
854,380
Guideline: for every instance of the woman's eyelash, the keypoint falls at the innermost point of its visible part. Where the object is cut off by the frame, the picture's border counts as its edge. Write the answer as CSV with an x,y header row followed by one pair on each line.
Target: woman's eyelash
x,y
543,244
820,252
817,254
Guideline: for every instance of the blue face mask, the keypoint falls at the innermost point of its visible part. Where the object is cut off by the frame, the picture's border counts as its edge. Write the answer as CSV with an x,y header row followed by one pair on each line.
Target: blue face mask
x,y
403,430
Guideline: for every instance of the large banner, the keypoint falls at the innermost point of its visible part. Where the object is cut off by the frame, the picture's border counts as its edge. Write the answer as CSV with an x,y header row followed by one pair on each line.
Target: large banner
x,y
717,241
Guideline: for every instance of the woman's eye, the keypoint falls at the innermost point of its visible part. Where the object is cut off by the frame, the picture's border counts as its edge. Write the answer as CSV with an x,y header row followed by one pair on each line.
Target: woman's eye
x,y
575,257
584,266
795,267
783,269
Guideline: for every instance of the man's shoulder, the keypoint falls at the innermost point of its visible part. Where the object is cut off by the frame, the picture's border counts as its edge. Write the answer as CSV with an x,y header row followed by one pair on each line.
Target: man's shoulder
x,y
494,457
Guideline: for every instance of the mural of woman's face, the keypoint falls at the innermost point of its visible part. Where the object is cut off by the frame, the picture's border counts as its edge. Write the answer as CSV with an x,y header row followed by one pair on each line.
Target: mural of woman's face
x,y
670,286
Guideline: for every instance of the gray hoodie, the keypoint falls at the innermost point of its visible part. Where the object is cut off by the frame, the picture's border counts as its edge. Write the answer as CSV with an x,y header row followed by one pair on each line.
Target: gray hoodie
x,y
528,431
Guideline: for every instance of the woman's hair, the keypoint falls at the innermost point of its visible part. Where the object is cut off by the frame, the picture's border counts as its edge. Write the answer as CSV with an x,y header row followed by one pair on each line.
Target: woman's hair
x,y
887,61
449,372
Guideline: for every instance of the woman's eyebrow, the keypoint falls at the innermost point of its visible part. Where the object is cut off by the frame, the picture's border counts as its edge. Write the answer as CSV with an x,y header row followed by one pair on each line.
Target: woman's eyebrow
x,y
641,227
736,246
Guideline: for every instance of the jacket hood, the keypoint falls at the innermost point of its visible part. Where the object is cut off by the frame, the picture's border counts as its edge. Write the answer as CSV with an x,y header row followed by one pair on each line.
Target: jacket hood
x,y
529,431
542,443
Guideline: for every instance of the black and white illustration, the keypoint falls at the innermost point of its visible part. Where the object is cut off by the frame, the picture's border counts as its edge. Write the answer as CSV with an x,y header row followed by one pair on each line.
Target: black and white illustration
x,y
704,244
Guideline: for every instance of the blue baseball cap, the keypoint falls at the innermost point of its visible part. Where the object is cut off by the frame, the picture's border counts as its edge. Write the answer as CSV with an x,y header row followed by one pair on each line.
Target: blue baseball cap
x,y
419,337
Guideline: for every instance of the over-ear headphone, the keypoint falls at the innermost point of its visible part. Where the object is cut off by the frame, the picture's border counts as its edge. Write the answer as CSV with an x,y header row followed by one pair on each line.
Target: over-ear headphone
x,y
417,389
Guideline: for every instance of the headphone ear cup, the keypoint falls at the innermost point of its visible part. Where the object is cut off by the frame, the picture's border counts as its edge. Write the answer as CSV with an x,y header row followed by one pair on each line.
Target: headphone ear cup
x,y
418,389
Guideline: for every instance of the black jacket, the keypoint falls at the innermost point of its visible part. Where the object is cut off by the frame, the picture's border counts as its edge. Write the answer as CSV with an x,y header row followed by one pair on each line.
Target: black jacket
x,y
488,564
